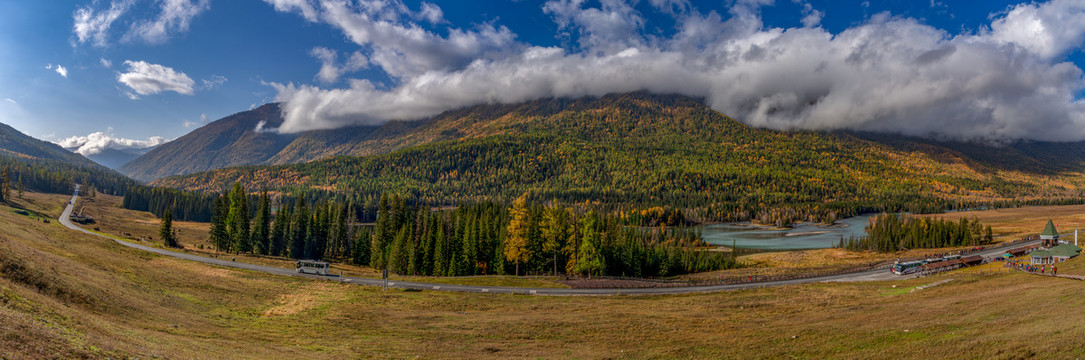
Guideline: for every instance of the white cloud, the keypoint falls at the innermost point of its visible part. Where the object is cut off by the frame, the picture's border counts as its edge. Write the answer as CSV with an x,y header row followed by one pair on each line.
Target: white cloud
x,y
99,141
10,100
399,46
1048,30
105,63
432,13
214,82
302,6
174,17
261,127
153,22
330,70
613,26
93,25
811,17
59,69
889,74
148,79
190,124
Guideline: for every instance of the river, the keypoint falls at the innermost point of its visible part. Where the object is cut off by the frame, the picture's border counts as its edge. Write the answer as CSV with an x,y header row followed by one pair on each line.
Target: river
x,y
801,236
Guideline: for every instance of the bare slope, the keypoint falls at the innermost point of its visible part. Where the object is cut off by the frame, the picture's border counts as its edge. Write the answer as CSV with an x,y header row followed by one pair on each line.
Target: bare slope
x,y
230,141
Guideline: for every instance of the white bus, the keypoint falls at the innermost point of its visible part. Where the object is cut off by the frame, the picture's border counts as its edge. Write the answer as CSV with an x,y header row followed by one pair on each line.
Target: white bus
x,y
312,267
907,267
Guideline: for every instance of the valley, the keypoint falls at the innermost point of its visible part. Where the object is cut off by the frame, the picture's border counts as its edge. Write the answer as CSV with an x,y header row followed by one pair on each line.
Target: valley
x,y
546,179
190,308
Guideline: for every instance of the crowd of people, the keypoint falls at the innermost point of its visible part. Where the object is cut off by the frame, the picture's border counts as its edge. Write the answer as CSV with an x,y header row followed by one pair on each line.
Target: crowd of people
x,y
1033,269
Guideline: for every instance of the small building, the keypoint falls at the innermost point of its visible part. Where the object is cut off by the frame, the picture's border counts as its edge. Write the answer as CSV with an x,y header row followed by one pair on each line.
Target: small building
x,y
1040,257
1051,250
940,266
1064,252
1059,253
1050,236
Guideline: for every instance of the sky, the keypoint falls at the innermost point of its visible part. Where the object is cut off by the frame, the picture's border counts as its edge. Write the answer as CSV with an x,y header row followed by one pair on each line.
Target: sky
x,y
134,73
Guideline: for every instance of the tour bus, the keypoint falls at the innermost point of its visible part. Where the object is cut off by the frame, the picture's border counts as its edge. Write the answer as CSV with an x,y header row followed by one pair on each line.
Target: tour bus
x,y
907,267
312,267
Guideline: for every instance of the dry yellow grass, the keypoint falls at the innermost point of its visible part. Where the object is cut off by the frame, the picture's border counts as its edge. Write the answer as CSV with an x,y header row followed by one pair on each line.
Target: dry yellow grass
x,y
73,295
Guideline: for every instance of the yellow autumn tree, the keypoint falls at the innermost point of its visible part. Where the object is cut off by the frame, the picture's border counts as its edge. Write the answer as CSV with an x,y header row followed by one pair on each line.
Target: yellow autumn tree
x,y
516,240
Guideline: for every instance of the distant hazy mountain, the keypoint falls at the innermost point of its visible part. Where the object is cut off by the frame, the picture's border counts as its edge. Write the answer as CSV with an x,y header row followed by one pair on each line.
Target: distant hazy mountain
x,y
115,158
18,145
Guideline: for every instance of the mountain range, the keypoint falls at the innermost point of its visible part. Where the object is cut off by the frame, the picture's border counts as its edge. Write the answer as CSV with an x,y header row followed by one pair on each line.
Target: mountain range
x,y
636,148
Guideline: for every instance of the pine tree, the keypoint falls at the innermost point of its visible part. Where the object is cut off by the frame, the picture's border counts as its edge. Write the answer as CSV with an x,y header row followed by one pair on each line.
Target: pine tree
x,y
318,232
516,249
382,235
572,240
237,220
5,184
428,244
261,226
166,232
219,235
397,260
440,248
338,243
277,238
552,229
298,229
360,251
589,258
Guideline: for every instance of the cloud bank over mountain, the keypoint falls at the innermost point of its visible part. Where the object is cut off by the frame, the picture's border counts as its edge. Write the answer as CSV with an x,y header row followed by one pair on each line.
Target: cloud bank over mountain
x,y
100,141
1008,80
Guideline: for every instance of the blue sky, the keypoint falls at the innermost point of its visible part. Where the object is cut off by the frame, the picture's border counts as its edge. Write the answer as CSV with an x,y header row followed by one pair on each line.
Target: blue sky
x,y
161,68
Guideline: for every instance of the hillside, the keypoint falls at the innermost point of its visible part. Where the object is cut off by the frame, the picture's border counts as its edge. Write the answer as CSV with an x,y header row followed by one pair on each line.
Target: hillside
x,y
36,165
230,141
15,144
655,150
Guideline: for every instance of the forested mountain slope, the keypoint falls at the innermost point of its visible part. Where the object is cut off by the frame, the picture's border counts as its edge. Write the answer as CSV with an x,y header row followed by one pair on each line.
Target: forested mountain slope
x,y
14,143
37,165
656,150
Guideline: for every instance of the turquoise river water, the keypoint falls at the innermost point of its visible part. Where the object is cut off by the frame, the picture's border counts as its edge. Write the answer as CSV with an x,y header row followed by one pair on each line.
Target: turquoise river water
x,y
801,236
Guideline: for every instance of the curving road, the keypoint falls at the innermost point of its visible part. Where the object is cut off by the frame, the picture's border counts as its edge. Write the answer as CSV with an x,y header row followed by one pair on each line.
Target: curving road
x,y
870,275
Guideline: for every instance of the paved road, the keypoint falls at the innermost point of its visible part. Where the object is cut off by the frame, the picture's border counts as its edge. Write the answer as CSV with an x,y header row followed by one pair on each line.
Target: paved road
x,y
872,275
